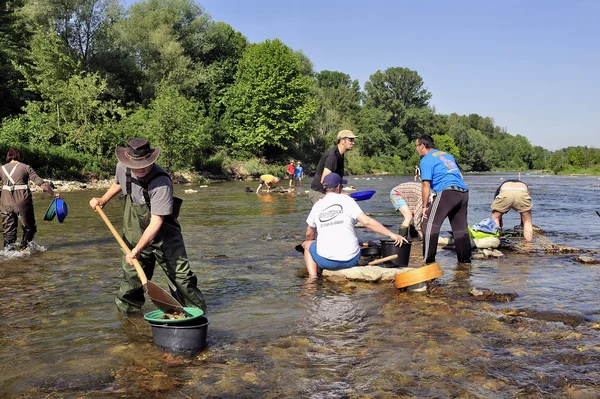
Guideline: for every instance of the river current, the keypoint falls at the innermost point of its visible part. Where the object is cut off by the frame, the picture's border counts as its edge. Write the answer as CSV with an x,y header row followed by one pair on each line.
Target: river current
x,y
273,334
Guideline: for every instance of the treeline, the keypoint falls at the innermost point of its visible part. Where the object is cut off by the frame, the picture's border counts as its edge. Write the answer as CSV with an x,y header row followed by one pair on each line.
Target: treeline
x,y
80,77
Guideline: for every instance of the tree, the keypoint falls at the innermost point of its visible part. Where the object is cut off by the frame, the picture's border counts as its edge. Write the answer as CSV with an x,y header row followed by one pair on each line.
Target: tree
x,y
446,143
373,139
13,37
166,37
175,124
270,103
395,90
339,103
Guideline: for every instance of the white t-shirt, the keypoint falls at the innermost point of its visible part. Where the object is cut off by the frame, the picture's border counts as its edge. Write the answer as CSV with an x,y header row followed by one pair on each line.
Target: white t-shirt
x,y
334,217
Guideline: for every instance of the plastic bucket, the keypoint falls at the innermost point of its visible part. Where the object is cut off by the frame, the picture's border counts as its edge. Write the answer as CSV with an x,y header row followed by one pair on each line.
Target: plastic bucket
x,y
388,248
181,339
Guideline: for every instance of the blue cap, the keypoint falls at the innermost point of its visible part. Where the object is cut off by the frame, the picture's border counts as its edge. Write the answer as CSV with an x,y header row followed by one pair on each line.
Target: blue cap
x,y
333,180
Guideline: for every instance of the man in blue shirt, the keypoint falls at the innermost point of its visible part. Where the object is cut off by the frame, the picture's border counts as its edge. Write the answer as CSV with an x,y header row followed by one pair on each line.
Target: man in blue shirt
x,y
441,175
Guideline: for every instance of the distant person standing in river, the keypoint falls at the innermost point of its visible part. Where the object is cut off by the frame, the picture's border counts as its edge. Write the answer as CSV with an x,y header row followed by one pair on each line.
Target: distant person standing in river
x,y
299,172
331,162
514,194
417,173
291,172
440,174
16,202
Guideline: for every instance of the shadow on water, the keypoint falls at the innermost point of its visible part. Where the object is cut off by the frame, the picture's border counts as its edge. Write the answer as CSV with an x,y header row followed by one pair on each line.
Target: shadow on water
x,y
275,334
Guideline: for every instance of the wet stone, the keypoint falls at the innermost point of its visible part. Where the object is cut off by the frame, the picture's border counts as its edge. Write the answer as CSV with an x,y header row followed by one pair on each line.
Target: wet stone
x,y
572,319
588,260
486,295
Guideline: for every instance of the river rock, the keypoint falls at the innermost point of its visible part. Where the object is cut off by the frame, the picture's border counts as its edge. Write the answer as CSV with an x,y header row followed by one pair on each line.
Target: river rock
x,y
588,260
483,294
572,319
366,273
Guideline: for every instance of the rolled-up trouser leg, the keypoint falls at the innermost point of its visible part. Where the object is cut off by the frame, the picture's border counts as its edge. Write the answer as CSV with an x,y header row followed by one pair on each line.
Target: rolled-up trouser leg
x,y
27,218
9,228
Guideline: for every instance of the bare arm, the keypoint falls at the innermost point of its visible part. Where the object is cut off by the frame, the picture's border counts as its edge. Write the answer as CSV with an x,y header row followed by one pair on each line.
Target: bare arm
x,y
151,231
46,188
377,227
113,190
311,233
325,173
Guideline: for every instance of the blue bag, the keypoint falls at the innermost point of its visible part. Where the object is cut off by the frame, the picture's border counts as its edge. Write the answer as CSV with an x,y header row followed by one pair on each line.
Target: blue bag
x,y
487,225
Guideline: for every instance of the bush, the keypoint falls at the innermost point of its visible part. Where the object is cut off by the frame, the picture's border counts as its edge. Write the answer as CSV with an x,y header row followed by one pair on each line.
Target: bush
x,y
62,162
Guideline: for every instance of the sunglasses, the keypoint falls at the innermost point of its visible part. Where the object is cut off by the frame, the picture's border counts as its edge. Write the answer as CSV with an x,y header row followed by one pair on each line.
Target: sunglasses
x,y
349,139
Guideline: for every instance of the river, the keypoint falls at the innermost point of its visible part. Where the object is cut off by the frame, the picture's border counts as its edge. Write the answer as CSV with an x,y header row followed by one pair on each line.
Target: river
x,y
275,335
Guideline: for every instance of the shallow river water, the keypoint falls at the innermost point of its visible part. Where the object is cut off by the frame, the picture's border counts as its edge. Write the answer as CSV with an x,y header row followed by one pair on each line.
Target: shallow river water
x,y
275,335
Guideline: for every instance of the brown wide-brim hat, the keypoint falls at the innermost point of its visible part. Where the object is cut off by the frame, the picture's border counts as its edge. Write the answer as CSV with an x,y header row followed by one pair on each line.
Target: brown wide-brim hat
x,y
137,154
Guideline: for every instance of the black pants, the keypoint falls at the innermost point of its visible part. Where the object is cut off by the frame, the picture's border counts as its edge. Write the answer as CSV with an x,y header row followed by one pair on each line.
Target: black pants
x,y
453,205
10,222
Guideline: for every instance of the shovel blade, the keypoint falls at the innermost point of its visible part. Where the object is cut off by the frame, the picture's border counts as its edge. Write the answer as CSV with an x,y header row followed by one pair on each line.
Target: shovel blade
x,y
162,299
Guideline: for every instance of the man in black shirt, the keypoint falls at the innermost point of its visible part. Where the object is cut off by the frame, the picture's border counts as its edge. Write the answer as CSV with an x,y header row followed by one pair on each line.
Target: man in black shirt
x,y
331,162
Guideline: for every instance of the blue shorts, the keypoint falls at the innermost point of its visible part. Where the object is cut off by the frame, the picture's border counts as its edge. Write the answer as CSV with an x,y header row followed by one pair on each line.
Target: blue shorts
x,y
332,264
397,200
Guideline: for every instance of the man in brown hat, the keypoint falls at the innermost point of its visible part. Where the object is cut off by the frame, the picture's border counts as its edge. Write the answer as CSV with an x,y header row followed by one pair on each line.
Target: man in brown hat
x,y
150,226
331,162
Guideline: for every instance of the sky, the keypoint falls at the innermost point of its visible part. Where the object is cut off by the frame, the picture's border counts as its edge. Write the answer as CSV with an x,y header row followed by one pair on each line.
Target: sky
x,y
531,65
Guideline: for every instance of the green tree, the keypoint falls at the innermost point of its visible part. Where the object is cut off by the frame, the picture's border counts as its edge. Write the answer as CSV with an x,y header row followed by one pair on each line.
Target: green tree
x,y
338,105
269,105
575,156
13,37
373,139
395,90
557,161
166,37
175,124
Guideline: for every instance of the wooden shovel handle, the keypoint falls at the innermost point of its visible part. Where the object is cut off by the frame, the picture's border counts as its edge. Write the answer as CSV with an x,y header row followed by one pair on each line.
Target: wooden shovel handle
x,y
136,264
383,260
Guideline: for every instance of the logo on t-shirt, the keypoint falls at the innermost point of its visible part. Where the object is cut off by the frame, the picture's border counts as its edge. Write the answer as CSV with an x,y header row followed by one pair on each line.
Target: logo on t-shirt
x,y
330,212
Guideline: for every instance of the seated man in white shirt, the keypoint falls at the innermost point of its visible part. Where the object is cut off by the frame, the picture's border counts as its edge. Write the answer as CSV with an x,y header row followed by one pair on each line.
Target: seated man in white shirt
x,y
331,242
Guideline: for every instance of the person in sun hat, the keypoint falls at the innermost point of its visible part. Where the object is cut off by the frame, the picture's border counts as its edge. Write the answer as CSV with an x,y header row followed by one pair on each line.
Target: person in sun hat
x,y
150,226
299,172
331,162
16,202
331,242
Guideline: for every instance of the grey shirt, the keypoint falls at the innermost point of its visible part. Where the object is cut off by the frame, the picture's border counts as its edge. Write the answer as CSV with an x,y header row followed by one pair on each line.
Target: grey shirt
x,y
160,190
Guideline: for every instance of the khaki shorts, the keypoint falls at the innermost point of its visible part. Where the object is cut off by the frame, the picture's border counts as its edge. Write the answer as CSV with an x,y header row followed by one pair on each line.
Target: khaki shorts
x,y
519,200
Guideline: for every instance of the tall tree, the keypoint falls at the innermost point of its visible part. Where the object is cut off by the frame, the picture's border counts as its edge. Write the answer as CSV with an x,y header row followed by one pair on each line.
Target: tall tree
x,y
270,103
166,37
13,37
395,90
339,104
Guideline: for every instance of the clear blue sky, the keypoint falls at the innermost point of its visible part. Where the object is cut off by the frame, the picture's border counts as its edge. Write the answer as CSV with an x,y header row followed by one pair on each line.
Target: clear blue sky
x,y
532,65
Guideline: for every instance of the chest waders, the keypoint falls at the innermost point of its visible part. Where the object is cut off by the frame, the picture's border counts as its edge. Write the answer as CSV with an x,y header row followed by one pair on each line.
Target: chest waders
x,y
167,249
17,207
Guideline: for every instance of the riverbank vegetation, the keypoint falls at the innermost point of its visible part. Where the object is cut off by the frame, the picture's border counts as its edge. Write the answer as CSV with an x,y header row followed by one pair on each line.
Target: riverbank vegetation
x,y
78,78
